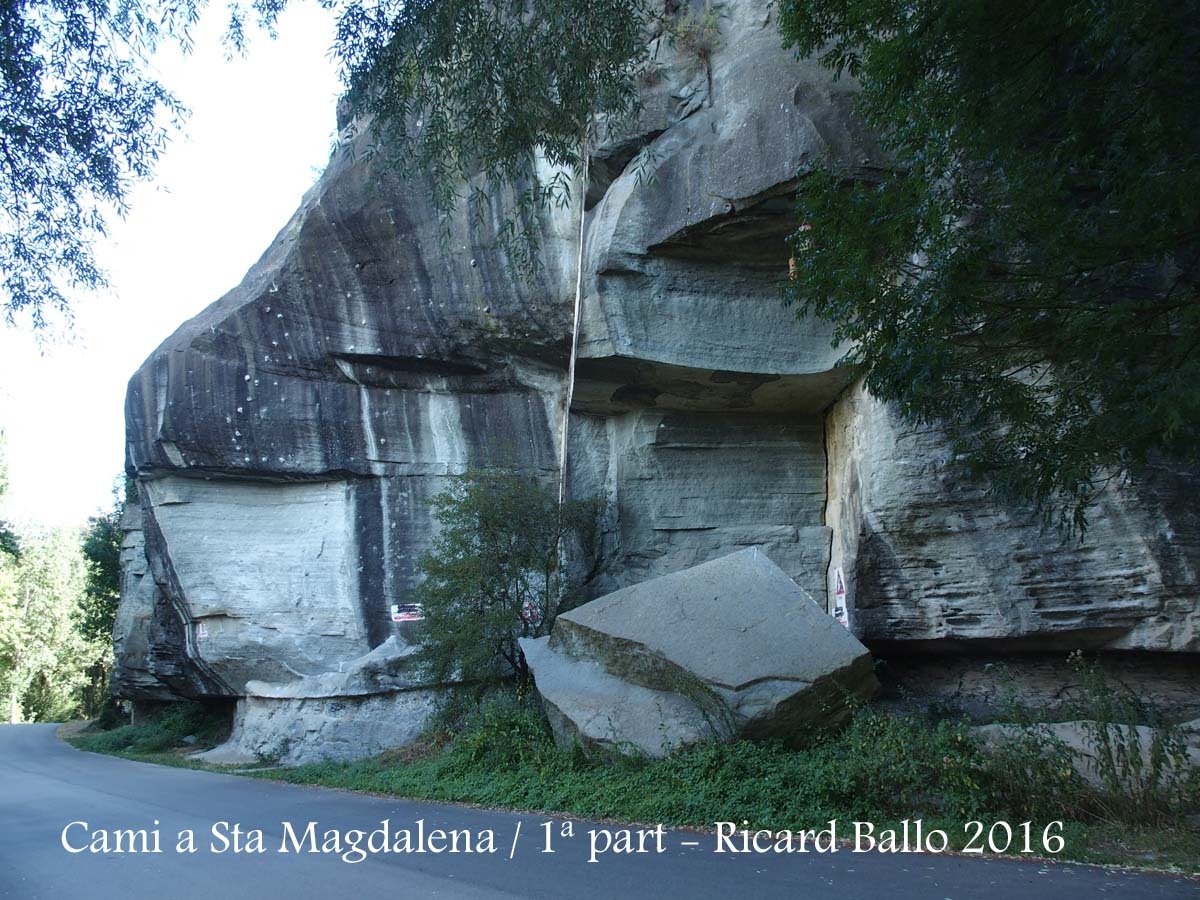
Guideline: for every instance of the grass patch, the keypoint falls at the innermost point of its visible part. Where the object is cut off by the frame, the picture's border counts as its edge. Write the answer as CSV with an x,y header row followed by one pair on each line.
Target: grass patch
x,y
881,768
164,737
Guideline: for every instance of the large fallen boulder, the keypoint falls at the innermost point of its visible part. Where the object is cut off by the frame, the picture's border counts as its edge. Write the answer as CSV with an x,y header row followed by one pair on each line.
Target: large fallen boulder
x,y
726,649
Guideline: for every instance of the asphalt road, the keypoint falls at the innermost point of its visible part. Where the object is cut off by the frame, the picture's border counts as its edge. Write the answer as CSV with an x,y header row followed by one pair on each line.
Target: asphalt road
x,y
45,785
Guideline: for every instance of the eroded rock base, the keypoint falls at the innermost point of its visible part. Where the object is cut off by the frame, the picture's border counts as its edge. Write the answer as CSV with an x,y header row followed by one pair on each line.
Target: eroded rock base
x,y
984,687
297,731
378,702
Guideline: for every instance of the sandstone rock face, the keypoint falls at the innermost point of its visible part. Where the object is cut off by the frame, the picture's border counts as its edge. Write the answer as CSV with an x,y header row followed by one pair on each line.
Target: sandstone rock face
x,y
302,730
698,396
286,442
731,647
376,703
930,561
150,651
984,687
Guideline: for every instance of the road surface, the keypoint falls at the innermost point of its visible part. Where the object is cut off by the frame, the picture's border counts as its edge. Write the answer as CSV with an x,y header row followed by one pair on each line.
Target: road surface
x,y
45,785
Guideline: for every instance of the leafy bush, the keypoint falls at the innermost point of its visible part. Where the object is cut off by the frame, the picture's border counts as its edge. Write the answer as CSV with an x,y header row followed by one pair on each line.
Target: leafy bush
x,y
1033,776
496,571
111,716
166,730
504,731
1143,776
697,32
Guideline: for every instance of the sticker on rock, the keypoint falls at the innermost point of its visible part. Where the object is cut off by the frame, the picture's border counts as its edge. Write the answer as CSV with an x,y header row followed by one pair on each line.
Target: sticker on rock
x,y
530,614
839,597
407,612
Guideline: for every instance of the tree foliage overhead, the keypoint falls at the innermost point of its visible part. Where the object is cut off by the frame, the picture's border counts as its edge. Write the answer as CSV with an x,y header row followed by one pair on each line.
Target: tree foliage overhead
x,y
1025,274
495,571
81,118
466,87
454,88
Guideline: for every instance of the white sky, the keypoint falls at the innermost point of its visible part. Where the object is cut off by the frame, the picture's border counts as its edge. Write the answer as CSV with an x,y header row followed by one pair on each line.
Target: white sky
x,y
259,134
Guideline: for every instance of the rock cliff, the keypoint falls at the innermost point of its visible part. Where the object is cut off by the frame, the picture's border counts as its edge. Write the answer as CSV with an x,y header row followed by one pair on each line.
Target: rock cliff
x,y
932,564
287,440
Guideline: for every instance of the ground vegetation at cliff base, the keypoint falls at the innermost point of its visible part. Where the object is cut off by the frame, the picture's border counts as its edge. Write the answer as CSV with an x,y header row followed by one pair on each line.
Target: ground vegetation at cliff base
x,y
882,768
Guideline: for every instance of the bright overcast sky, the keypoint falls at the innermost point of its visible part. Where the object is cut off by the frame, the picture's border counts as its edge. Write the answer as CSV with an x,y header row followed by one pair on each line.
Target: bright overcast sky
x,y
259,134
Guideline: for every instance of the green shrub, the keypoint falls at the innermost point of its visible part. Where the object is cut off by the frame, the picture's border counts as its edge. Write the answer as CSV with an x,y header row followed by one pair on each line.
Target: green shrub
x,y
1144,778
496,571
697,32
111,716
164,730
1033,776
505,731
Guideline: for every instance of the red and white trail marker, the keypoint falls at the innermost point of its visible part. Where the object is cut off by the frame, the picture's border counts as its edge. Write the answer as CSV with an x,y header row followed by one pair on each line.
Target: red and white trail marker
x,y
839,597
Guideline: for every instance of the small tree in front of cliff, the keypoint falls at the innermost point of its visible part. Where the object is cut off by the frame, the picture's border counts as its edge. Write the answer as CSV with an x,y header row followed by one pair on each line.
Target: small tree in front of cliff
x,y
495,572
101,548
96,611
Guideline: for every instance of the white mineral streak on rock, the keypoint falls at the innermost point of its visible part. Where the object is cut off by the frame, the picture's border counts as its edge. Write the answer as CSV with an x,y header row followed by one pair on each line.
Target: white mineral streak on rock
x,y
368,427
445,430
